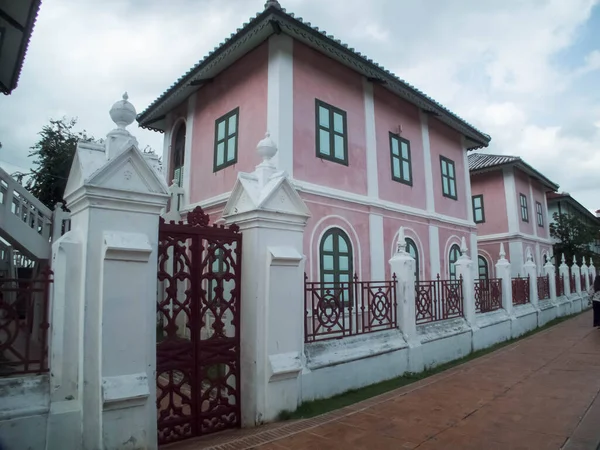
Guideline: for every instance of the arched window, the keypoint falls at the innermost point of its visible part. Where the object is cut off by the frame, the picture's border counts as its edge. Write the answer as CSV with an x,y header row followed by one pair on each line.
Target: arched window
x,y
484,273
453,257
179,154
335,253
411,249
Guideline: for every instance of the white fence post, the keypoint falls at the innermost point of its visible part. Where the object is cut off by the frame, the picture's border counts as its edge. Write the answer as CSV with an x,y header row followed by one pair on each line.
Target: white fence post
x,y
530,270
576,271
464,269
503,272
550,272
563,271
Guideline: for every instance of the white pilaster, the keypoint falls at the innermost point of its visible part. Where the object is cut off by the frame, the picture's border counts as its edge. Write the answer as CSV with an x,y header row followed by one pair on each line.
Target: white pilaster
x,y
516,257
430,199
533,210
376,245
280,100
512,207
187,158
475,255
467,183
434,251
370,132
168,136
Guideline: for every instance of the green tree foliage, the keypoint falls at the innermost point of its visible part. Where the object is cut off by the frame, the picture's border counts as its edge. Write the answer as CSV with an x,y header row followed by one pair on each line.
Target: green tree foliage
x,y
53,155
574,237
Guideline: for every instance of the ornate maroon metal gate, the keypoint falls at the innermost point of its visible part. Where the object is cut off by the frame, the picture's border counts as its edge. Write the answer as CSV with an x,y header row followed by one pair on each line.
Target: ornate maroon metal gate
x,y
198,321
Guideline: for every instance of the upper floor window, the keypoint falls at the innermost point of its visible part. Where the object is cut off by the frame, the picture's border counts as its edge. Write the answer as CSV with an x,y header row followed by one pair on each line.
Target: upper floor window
x,y
335,254
226,140
448,178
478,212
524,211
332,133
540,214
452,258
411,249
179,155
482,265
400,153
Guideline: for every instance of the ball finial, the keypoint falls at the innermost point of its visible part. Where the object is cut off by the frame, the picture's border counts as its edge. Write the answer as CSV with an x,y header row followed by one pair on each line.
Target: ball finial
x,y
122,112
266,148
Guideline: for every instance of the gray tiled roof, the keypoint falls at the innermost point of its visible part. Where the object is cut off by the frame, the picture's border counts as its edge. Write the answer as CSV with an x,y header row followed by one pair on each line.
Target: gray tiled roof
x,y
478,161
280,20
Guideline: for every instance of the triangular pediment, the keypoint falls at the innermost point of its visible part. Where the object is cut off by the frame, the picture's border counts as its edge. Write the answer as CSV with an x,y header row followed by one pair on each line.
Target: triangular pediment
x,y
129,171
277,195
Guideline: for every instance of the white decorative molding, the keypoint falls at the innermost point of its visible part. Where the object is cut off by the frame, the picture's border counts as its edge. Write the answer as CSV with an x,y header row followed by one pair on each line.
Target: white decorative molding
x,y
515,235
371,140
467,181
121,246
378,258
125,390
285,366
430,201
280,99
510,193
434,251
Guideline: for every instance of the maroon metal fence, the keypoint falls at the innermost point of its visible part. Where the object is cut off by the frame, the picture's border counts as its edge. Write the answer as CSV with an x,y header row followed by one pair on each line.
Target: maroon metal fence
x,y
520,290
560,285
543,287
336,310
572,282
488,295
438,300
24,324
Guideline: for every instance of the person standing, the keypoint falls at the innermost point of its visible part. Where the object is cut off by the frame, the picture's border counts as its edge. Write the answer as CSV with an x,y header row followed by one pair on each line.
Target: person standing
x,y
594,293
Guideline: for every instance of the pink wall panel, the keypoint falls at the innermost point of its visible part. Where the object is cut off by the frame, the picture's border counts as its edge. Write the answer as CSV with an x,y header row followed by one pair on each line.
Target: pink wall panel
x,y
491,186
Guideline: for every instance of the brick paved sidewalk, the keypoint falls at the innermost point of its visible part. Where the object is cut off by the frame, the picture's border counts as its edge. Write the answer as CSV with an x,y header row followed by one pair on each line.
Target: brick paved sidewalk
x,y
540,393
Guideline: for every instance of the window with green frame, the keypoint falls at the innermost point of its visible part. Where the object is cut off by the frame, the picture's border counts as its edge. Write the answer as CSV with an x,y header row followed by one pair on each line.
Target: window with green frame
x,y
478,211
524,210
331,133
411,249
226,140
452,258
448,178
482,266
178,157
400,154
335,255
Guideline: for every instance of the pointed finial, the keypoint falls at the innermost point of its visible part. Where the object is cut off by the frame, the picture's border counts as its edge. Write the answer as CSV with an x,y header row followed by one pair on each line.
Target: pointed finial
x,y
502,253
272,3
125,96
583,260
463,246
528,255
562,259
401,248
591,261
266,148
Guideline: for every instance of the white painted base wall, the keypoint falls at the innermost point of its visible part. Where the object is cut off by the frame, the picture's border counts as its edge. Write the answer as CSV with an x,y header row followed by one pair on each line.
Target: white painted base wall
x,y
363,360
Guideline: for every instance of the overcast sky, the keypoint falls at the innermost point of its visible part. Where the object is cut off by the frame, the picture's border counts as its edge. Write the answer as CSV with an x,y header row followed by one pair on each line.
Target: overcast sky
x,y
527,72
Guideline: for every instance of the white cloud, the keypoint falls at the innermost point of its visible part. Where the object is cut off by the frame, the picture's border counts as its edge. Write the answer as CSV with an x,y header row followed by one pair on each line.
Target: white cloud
x,y
493,63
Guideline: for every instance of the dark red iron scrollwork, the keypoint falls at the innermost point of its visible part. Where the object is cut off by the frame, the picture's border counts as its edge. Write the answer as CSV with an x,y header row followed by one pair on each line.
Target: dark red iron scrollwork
x,y
198,320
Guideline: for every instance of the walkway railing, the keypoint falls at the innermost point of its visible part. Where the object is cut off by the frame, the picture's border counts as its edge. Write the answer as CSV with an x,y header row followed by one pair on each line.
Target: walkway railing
x,y
520,291
543,287
24,324
560,285
488,295
438,300
336,310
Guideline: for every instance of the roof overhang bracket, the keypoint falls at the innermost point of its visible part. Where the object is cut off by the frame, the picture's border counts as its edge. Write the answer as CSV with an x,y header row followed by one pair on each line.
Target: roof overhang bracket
x,y
201,82
276,27
376,80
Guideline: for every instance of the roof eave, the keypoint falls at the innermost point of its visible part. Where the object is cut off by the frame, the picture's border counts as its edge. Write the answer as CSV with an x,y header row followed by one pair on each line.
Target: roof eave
x,y
520,164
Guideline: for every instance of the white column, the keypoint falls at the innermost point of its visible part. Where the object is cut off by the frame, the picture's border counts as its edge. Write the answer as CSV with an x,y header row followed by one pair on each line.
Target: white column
x,y
503,272
378,253
464,270
516,257
371,138
187,159
272,217
512,207
563,271
430,199
434,251
530,271
550,272
104,393
575,270
280,100
403,265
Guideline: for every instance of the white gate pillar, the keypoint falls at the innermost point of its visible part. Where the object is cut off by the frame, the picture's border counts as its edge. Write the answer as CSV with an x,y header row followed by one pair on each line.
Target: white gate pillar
x,y
272,218
464,270
503,272
530,271
550,272
103,358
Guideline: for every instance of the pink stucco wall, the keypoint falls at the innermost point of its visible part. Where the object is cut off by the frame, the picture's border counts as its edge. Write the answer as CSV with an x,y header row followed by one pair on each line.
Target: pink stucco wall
x,y
318,77
491,186
449,235
242,85
446,142
390,113
522,187
539,195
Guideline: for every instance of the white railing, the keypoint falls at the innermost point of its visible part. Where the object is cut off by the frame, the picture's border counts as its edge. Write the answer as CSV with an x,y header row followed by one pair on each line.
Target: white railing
x,y
24,219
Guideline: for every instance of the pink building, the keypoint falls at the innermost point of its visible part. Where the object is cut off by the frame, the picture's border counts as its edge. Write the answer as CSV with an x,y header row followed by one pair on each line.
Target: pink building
x,y
367,152
509,206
